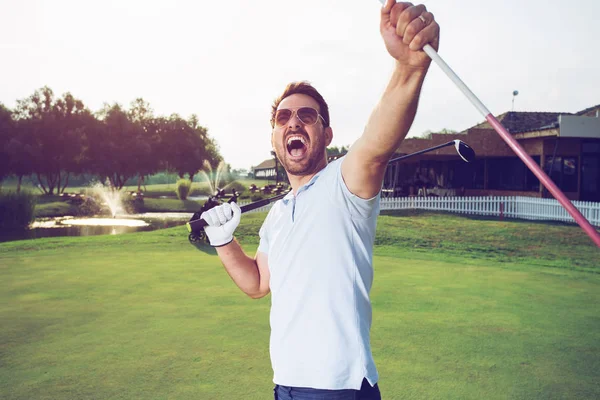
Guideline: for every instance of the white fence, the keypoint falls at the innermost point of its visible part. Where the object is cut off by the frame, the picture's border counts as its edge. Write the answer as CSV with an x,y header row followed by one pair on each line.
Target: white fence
x,y
511,207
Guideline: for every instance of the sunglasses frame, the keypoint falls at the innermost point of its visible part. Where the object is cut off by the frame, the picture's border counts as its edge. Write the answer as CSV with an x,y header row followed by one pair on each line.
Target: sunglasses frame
x,y
295,112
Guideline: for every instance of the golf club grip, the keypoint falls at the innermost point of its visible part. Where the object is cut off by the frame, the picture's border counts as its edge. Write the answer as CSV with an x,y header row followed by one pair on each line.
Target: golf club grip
x,y
200,223
196,225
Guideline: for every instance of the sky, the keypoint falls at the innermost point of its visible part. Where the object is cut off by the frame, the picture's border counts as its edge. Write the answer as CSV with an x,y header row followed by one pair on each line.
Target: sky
x,y
226,61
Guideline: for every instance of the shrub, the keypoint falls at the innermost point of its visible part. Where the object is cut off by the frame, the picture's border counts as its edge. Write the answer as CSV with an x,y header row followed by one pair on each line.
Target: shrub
x,y
183,188
16,210
237,186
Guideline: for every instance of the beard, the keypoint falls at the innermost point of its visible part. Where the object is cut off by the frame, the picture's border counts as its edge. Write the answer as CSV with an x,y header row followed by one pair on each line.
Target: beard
x,y
313,160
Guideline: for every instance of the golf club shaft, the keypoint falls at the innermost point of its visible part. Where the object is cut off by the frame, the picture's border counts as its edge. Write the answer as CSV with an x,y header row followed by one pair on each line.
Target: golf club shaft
x,y
261,203
514,145
200,223
421,152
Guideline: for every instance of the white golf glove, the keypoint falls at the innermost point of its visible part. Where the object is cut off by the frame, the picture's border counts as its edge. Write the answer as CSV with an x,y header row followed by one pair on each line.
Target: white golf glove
x,y
222,221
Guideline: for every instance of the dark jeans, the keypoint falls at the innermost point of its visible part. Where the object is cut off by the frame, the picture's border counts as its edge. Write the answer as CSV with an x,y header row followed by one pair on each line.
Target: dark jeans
x,y
366,392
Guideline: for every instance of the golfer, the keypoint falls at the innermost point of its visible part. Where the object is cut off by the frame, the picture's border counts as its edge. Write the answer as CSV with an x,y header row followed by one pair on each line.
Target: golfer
x,y
316,244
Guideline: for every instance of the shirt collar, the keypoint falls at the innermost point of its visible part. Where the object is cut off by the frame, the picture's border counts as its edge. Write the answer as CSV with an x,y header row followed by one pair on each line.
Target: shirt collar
x,y
304,187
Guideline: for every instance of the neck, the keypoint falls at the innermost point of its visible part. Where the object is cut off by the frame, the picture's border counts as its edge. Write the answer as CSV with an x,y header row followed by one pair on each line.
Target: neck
x,y
297,181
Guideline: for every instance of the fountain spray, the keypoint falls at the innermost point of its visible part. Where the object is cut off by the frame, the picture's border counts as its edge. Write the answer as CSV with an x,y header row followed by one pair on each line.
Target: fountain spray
x,y
110,197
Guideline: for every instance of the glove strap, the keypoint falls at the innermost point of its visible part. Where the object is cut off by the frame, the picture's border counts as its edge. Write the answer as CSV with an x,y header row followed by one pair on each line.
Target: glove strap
x,y
224,244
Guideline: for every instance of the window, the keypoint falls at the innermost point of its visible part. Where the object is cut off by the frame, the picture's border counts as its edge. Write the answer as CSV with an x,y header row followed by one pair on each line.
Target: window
x,y
590,146
511,174
563,171
468,175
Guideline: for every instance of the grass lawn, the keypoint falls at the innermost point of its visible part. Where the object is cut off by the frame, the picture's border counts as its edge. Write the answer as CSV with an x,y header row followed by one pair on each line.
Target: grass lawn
x,y
463,309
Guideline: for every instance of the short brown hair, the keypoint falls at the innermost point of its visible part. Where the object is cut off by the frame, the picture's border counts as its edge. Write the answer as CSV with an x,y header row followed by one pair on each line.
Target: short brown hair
x,y
302,87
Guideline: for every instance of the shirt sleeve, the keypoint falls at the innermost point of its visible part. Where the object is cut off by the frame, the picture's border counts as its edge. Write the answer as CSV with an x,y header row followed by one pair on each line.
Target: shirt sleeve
x,y
263,245
341,195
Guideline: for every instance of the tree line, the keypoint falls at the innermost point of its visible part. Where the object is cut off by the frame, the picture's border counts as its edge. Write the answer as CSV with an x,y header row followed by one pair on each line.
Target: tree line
x,y
54,138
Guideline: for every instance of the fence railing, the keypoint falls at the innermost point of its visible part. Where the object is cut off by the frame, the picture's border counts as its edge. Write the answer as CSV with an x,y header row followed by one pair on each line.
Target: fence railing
x,y
521,207
510,207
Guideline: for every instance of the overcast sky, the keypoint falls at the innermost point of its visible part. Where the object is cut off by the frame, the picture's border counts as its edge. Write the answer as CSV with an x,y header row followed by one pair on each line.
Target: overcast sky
x,y
227,60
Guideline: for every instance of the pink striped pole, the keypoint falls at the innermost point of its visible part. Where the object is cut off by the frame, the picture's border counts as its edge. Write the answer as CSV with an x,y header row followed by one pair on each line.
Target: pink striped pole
x,y
515,146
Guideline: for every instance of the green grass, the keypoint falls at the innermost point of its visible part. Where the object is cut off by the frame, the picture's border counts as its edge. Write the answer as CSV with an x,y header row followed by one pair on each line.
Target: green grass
x,y
55,209
452,235
170,205
463,309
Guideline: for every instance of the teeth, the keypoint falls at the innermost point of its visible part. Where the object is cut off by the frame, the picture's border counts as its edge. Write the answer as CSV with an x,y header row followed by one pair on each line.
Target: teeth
x,y
296,137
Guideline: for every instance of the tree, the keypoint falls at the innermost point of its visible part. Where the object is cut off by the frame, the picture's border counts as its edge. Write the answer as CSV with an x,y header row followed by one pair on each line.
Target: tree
x,y
145,154
113,148
186,145
51,132
7,131
55,138
333,151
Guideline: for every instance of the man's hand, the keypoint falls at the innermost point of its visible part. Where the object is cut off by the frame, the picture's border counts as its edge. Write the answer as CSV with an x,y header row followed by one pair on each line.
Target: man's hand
x,y
222,221
406,29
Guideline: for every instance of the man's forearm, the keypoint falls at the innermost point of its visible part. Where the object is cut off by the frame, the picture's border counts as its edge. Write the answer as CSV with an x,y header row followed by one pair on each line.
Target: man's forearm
x,y
392,117
241,268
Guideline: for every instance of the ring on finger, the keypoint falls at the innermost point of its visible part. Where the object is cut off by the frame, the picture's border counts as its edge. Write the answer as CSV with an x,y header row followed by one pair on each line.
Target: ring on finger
x,y
422,18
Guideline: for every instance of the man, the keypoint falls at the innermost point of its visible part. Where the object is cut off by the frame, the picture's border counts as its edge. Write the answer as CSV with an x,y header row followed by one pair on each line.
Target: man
x,y
315,252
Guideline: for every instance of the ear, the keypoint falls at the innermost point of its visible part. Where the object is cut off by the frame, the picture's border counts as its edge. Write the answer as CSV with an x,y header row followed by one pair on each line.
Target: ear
x,y
328,135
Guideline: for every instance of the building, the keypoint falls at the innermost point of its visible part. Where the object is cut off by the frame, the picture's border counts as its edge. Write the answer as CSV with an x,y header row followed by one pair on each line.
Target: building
x,y
265,170
565,145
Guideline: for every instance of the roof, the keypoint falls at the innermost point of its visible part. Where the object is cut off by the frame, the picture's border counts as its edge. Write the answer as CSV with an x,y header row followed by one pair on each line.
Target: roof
x,y
525,121
268,163
590,111
519,121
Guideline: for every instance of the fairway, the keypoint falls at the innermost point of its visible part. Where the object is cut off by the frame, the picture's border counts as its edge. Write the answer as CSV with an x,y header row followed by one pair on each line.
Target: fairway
x,y
149,316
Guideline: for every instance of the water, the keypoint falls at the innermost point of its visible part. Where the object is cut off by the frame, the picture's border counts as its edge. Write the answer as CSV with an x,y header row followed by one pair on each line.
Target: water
x,y
194,198
120,223
110,196
214,178
72,226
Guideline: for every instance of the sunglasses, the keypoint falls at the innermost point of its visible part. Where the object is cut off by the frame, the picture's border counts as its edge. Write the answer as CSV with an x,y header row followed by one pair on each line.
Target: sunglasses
x,y
307,115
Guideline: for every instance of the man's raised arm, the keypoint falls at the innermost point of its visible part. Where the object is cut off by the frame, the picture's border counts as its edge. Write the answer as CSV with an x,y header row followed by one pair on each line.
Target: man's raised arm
x,y
405,29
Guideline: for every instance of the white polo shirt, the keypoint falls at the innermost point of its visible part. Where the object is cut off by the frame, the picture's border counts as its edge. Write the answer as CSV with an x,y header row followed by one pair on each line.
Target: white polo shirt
x,y
319,245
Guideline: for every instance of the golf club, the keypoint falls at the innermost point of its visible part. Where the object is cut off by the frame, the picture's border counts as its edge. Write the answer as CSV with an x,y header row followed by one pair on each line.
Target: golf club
x,y
195,226
464,151
514,145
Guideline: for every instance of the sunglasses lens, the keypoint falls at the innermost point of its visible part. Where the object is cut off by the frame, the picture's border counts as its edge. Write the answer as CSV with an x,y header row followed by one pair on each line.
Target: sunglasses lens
x,y
308,115
282,117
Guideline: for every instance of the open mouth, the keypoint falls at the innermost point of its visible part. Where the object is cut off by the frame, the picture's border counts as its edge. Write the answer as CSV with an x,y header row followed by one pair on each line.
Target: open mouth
x,y
296,145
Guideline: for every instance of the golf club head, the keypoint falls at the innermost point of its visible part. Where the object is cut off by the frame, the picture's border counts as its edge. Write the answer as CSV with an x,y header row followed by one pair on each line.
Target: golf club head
x,y
464,150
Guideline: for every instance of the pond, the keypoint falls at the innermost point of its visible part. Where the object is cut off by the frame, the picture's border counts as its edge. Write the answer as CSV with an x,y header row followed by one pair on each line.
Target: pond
x,y
75,226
